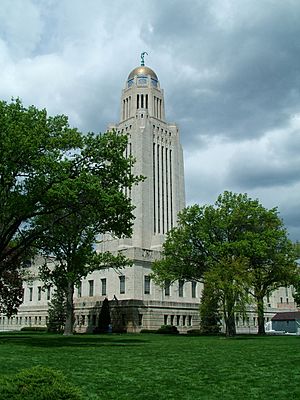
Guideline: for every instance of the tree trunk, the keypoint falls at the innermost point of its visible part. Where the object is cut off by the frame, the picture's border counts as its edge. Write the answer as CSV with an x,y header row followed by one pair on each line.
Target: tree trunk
x,y
260,315
229,317
230,325
69,310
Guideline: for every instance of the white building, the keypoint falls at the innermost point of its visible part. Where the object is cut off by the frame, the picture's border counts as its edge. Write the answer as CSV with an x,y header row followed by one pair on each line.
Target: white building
x,y
136,302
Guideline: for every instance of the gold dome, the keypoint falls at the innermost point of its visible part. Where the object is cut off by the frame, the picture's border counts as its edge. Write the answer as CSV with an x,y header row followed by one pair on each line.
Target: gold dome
x,y
142,70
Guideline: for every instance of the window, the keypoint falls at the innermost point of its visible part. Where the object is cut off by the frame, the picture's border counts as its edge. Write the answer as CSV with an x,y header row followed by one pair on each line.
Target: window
x,y
194,286
183,320
189,320
91,288
103,287
147,284
122,284
79,289
165,320
180,288
178,320
172,319
140,319
48,293
30,293
39,293
167,287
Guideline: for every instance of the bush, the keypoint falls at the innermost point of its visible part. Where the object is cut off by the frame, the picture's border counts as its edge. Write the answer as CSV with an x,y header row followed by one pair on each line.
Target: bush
x,y
38,383
194,332
148,331
168,329
34,329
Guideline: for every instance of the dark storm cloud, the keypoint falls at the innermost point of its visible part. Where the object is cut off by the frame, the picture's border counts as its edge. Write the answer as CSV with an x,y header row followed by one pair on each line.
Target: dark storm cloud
x,y
251,55
230,70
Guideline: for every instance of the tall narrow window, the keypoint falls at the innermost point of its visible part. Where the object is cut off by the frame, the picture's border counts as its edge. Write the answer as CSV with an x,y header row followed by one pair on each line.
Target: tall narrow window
x,y
162,190
146,106
158,190
147,284
180,288
39,293
137,101
79,289
103,287
30,293
142,101
167,287
122,284
48,293
154,196
194,285
91,288
171,188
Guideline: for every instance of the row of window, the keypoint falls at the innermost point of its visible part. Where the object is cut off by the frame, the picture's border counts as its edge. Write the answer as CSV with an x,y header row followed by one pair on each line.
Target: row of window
x,y
37,320
122,288
178,320
39,293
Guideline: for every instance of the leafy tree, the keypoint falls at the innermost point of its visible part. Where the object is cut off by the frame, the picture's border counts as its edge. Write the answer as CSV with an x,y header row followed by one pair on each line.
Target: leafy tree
x,y
34,164
57,312
297,249
236,239
210,318
96,204
258,235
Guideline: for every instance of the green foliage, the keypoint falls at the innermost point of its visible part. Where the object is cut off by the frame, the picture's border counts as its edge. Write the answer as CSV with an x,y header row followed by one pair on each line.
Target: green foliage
x,y
96,205
210,318
33,166
57,312
34,329
236,244
38,383
58,186
168,330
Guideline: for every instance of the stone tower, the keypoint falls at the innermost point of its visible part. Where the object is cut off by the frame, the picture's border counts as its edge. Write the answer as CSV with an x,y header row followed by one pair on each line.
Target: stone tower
x,y
154,143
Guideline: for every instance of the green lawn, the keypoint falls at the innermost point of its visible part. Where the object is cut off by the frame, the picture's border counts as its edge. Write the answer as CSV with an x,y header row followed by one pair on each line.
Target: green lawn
x,y
155,367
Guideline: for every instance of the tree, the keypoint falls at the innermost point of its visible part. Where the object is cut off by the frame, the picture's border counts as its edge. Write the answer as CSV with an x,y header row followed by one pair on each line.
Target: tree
x,y
258,234
236,239
57,312
210,317
35,162
100,207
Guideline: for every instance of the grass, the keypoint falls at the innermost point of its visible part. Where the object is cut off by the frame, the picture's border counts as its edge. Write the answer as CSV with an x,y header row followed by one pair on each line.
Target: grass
x,y
156,367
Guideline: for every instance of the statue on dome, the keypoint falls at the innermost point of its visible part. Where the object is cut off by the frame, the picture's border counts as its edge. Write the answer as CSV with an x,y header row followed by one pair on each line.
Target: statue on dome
x,y
142,58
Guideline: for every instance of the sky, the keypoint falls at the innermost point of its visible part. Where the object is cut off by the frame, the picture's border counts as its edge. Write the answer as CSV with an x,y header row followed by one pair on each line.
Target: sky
x,y
230,70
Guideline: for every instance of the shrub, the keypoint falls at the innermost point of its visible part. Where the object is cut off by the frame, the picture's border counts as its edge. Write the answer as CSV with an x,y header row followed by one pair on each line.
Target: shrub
x,y
34,329
148,331
194,332
38,383
168,329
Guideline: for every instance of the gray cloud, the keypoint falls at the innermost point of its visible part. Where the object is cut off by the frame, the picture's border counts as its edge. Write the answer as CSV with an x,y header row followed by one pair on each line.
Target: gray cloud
x,y
230,71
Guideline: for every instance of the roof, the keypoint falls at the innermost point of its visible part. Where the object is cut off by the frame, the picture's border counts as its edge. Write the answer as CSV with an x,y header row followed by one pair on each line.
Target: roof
x,y
142,70
287,316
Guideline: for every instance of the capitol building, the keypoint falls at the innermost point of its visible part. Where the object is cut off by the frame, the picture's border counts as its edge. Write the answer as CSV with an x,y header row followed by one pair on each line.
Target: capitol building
x,y
136,302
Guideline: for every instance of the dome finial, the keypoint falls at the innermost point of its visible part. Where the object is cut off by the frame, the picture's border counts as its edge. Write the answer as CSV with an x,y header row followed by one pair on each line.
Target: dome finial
x,y
142,58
